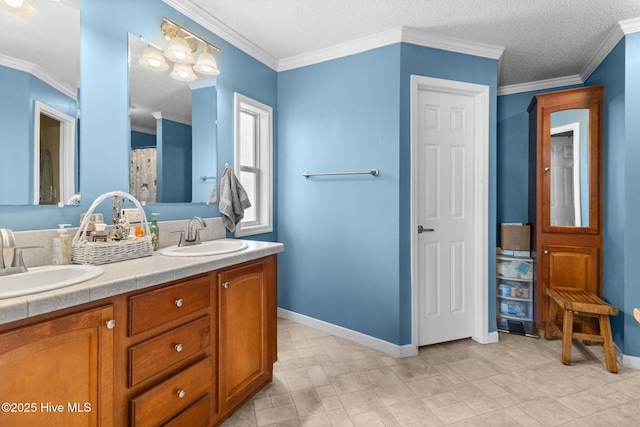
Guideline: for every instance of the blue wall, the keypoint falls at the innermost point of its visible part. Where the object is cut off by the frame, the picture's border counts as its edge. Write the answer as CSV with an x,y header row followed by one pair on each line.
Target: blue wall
x,y
174,161
142,140
347,239
205,141
104,134
19,92
620,73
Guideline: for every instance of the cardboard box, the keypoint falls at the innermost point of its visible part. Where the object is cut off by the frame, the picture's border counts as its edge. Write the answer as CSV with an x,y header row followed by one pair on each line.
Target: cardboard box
x,y
515,237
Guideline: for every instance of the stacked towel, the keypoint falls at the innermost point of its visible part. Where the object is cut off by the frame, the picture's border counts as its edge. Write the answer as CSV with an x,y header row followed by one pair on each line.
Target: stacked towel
x,y
233,199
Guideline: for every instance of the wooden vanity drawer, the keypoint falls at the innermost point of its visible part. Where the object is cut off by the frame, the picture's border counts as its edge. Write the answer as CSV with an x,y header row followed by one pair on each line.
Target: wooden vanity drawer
x,y
196,415
152,356
162,402
154,308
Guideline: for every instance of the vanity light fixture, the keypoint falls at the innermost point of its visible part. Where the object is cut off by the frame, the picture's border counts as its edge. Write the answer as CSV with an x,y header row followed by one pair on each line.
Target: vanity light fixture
x,y
20,7
183,44
183,72
206,63
153,59
179,50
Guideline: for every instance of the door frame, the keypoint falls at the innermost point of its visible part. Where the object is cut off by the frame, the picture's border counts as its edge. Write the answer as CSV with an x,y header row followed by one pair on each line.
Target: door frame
x,y
67,151
481,193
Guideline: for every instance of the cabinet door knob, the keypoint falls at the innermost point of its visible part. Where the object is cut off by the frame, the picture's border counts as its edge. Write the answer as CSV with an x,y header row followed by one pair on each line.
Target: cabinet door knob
x,y
179,302
225,285
181,393
178,348
546,169
110,324
546,251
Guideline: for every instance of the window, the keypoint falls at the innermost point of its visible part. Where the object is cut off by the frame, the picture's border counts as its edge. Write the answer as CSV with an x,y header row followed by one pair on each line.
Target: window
x,y
253,162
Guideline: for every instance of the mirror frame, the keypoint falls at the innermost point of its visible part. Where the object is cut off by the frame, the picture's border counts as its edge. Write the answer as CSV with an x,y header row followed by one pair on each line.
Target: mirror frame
x,y
595,163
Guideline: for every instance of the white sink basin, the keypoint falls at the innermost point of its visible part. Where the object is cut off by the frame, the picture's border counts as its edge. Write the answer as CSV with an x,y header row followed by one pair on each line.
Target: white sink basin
x,y
210,247
40,279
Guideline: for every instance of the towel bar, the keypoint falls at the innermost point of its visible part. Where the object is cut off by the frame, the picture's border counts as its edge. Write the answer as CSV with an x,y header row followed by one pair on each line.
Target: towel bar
x,y
373,172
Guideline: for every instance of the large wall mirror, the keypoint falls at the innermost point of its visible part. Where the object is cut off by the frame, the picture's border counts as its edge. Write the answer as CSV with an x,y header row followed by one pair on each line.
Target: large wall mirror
x,y
571,168
172,133
39,82
569,181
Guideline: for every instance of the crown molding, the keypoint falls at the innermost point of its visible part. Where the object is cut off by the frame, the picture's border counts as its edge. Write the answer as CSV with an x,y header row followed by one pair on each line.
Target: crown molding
x,y
385,38
37,71
611,40
420,38
204,18
352,47
158,115
540,85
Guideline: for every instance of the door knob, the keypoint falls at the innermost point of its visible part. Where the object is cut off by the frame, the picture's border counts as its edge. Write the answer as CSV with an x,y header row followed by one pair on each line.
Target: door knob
x,y
421,229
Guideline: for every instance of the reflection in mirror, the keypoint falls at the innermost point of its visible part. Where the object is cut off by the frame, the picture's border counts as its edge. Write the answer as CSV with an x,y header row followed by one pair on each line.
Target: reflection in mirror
x,y
171,128
39,72
54,155
569,184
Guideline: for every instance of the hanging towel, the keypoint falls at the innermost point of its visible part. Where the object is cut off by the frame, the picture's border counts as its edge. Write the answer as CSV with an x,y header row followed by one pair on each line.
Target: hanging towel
x,y
233,199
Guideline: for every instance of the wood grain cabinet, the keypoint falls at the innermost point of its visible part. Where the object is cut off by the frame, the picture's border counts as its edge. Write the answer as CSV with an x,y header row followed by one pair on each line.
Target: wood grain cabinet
x,y
170,354
247,331
185,353
565,191
59,372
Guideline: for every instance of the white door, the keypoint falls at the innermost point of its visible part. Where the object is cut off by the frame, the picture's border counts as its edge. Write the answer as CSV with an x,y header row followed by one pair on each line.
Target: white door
x,y
446,151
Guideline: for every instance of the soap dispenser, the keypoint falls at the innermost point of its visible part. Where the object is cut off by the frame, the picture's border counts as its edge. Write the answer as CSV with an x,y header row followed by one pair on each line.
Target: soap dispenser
x,y
61,246
154,231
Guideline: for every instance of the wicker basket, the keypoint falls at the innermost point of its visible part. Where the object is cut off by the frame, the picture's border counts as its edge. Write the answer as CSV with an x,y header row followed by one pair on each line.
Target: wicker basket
x,y
84,252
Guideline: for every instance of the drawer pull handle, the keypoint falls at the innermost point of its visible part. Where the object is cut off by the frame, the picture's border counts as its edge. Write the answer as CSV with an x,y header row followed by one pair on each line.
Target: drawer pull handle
x,y
178,348
179,302
546,251
181,393
225,285
110,324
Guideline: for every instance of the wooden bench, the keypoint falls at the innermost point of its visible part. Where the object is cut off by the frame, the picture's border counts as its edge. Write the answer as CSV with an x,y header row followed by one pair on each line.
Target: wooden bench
x,y
576,302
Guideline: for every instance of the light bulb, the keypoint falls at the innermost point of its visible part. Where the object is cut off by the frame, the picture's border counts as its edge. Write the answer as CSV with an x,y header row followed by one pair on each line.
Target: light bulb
x,y
14,3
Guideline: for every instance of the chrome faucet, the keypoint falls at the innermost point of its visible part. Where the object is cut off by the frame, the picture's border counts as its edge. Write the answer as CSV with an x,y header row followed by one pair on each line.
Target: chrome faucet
x,y
8,240
193,234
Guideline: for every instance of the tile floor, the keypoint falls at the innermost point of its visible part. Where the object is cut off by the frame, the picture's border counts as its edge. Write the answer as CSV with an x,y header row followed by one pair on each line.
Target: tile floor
x,y
322,380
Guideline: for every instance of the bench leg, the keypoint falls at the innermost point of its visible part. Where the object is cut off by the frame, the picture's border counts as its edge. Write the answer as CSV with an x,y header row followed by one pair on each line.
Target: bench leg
x,y
609,353
567,336
553,311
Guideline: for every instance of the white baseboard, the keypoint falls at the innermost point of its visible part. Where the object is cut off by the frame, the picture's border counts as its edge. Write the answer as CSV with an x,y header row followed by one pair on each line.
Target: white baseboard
x,y
492,338
348,334
631,362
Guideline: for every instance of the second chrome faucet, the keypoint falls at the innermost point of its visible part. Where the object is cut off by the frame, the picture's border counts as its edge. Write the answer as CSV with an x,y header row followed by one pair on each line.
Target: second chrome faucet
x,y
193,232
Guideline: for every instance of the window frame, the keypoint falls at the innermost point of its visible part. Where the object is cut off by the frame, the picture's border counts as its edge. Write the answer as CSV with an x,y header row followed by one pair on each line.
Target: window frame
x,y
263,163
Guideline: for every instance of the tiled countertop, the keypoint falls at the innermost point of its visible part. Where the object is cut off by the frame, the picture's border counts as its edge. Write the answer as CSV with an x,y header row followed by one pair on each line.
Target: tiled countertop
x,y
126,276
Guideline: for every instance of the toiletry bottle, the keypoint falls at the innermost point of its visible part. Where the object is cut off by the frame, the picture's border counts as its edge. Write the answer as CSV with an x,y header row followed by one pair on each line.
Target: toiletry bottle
x,y
155,232
61,246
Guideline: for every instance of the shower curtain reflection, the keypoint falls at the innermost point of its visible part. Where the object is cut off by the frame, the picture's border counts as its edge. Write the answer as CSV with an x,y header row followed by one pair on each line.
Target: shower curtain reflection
x,y
144,174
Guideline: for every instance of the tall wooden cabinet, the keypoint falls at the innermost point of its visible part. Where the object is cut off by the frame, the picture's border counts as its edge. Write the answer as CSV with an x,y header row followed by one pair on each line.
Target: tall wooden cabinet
x,y
565,191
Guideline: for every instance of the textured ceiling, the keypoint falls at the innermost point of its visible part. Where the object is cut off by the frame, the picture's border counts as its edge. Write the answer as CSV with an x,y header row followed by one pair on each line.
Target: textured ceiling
x,y
47,43
543,39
